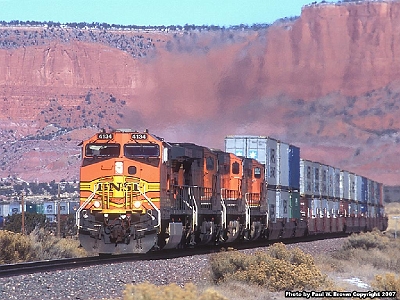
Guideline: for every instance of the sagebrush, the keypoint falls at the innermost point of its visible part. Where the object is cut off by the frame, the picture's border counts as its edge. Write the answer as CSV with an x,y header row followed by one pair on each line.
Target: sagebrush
x,y
277,269
147,291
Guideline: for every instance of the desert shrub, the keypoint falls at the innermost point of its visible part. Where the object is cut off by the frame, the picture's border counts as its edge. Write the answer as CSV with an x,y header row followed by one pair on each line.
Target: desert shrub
x,y
38,245
15,247
277,268
147,291
368,240
373,248
387,282
47,246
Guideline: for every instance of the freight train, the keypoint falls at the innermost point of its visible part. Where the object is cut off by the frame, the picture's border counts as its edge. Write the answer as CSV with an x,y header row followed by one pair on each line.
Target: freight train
x,y
140,193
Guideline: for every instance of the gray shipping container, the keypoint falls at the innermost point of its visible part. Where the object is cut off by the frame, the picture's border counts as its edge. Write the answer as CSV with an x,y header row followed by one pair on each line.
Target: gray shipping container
x,y
352,186
49,208
359,187
262,148
316,179
64,208
15,208
282,204
316,208
334,182
324,180
344,185
271,197
306,177
283,164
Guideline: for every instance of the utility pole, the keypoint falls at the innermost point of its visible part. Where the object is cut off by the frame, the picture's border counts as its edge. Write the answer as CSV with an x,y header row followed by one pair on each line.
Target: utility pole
x,y
23,213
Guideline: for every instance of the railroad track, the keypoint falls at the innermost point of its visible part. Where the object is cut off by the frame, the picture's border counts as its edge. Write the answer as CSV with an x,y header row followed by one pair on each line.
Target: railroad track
x,y
8,270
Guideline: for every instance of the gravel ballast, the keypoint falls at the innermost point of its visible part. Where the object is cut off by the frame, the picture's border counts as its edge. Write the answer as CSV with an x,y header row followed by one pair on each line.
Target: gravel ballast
x,y
109,281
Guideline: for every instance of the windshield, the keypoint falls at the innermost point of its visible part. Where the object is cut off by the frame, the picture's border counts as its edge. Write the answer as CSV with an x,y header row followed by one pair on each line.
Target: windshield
x,y
103,150
141,150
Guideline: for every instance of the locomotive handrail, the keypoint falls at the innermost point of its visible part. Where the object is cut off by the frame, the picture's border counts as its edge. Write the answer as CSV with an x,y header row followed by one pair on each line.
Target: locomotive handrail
x,y
78,211
247,211
153,205
194,210
223,209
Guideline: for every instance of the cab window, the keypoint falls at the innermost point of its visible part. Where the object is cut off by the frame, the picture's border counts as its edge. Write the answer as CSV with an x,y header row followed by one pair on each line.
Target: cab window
x,y
209,163
141,150
257,172
102,150
235,168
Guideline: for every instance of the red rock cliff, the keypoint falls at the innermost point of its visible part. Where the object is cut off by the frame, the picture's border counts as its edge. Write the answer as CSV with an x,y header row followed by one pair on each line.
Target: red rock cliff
x,y
327,81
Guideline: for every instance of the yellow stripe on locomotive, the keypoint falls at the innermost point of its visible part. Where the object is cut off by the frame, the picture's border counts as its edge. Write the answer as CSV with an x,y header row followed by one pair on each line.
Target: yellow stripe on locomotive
x,y
117,194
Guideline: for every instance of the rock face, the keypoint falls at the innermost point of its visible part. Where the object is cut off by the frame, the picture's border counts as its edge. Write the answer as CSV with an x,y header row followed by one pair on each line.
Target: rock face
x,y
327,81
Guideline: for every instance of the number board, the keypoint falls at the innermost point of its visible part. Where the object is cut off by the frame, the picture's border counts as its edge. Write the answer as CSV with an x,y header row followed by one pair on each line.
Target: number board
x,y
105,136
139,136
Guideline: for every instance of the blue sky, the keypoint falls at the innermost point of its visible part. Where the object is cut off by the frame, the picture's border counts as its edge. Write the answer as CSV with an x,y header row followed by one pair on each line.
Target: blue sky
x,y
152,12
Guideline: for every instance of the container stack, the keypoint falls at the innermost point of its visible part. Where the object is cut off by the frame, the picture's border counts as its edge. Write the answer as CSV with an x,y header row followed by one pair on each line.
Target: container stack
x,y
282,171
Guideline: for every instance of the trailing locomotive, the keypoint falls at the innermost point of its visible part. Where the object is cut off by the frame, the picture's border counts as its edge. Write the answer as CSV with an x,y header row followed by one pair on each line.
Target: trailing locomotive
x,y
140,193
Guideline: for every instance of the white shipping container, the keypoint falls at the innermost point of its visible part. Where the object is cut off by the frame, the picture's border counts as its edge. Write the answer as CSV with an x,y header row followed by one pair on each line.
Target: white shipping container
x,y
306,177
336,183
324,180
352,186
4,209
282,204
358,187
344,185
331,184
262,148
325,207
316,179
283,164
49,208
370,189
316,208
64,208
271,198
15,208
272,161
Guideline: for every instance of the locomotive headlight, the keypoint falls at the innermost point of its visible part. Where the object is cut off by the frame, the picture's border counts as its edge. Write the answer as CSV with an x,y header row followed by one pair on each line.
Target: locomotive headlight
x,y
137,204
97,204
119,167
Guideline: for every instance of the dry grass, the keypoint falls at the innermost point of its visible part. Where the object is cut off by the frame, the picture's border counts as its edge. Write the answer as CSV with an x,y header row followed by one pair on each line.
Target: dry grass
x,y
36,246
392,210
147,291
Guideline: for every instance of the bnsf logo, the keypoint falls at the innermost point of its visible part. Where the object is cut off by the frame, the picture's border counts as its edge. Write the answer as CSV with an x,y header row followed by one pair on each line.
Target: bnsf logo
x,y
128,187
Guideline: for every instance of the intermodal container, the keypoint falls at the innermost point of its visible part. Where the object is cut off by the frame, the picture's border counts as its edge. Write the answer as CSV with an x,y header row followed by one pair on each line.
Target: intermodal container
x,y
323,180
281,160
306,178
364,190
283,165
15,208
282,204
271,196
352,186
316,208
316,179
30,207
344,185
294,208
294,167
73,206
49,208
64,208
324,207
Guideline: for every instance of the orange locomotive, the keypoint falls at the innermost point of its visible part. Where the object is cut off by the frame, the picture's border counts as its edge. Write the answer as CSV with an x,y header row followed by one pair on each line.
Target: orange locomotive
x,y
140,193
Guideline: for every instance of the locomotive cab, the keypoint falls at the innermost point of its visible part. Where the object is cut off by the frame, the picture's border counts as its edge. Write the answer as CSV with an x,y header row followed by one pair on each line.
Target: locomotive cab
x,y
120,190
